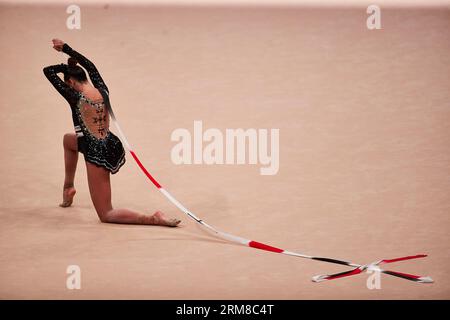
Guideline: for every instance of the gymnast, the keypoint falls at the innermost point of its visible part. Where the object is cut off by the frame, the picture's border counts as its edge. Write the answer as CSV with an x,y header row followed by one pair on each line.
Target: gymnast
x,y
102,150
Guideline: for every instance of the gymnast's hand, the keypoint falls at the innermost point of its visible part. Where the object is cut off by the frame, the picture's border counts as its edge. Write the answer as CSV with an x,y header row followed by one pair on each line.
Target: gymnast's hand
x,y
57,44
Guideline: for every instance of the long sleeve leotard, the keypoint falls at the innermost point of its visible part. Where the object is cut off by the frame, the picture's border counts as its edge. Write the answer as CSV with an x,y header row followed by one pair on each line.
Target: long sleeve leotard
x,y
90,118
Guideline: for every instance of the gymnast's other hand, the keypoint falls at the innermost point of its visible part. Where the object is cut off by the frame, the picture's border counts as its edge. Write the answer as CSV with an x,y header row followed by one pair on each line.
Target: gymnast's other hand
x,y
57,44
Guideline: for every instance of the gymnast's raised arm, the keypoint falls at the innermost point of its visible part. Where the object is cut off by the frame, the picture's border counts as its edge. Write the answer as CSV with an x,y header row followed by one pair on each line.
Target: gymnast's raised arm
x,y
94,75
51,72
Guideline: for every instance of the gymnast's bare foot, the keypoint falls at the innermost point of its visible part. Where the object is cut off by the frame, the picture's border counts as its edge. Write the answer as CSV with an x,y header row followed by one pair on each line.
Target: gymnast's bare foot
x,y
68,194
159,218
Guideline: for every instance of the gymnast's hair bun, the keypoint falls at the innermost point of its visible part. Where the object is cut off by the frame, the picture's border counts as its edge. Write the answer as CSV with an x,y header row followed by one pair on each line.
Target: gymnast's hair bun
x,y
72,62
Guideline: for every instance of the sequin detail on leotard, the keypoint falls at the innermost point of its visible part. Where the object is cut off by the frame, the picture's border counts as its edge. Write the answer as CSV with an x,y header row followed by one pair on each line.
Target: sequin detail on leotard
x,y
99,145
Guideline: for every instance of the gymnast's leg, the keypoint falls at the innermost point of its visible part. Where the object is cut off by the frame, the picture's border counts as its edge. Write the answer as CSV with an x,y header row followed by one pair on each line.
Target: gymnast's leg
x,y
100,190
70,144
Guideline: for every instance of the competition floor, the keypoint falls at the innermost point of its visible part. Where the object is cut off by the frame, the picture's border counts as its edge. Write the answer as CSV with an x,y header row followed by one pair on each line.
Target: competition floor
x,y
364,151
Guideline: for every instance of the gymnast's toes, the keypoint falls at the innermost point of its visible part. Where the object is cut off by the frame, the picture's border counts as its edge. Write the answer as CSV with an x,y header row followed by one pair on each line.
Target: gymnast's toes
x,y
173,222
68,195
159,218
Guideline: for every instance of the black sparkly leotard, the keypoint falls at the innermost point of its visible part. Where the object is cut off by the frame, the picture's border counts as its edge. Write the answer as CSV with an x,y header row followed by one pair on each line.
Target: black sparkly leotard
x,y
90,118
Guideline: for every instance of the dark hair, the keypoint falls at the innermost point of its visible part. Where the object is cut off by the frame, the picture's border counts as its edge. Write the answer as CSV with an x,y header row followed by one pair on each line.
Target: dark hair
x,y
73,71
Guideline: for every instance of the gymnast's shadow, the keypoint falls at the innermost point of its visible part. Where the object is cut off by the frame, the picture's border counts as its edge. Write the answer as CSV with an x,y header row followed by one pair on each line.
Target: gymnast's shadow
x,y
181,234
214,203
